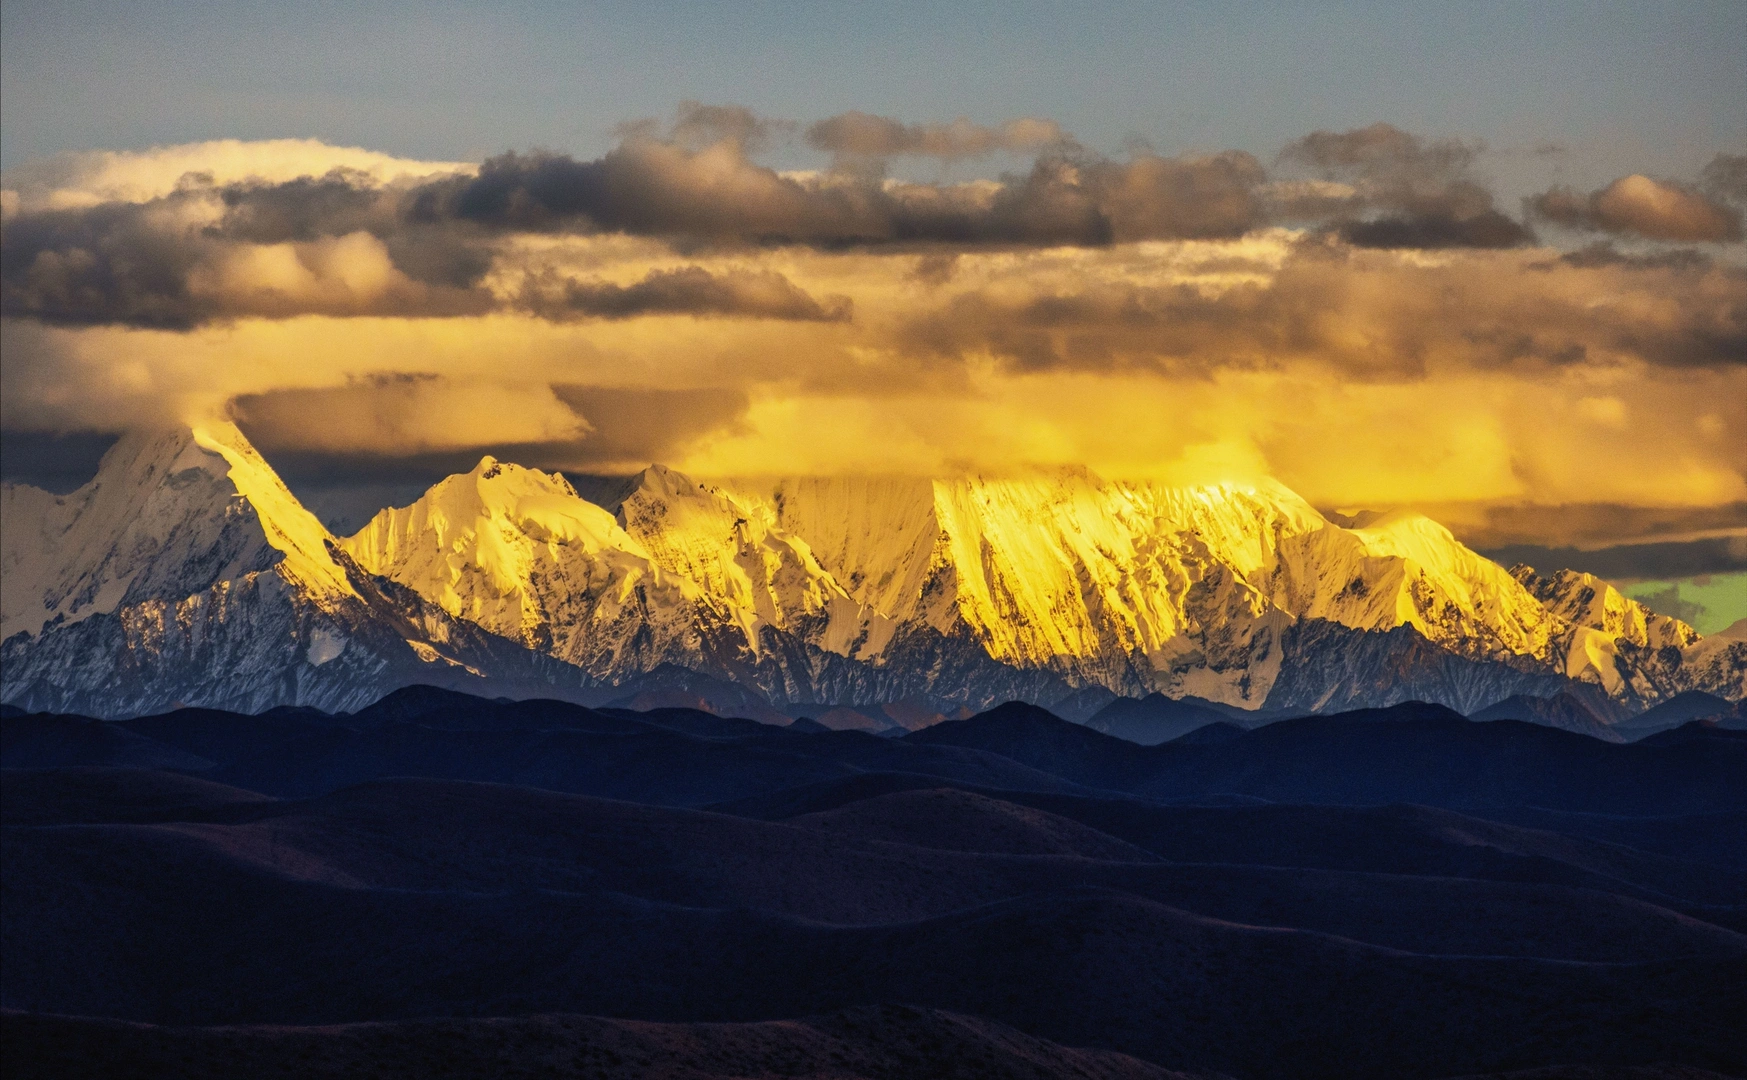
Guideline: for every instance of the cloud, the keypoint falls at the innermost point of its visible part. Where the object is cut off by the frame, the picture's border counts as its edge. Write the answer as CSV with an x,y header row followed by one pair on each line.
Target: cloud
x,y
862,135
1655,561
342,244
52,460
168,264
697,125
689,290
636,426
1639,206
674,300
415,430
407,413
823,398
1591,526
1726,177
1356,313
1603,253
716,194
118,241
90,178
333,245
1398,191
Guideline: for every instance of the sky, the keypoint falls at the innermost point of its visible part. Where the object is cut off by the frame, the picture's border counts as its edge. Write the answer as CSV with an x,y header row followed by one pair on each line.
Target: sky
x,y
1484,259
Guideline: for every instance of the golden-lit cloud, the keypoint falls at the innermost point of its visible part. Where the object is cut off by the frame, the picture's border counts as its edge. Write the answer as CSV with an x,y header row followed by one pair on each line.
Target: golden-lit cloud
x,y
1639,206
91,178
1357,323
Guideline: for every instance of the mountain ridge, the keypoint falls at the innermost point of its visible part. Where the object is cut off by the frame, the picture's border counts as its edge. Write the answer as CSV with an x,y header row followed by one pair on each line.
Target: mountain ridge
x,y
187,572
218,588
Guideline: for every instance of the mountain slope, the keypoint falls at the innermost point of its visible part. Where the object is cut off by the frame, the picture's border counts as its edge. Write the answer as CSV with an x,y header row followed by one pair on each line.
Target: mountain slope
x,y
1562,711
1200,592
516,551
1468,947
1151,720
881,1042
186,572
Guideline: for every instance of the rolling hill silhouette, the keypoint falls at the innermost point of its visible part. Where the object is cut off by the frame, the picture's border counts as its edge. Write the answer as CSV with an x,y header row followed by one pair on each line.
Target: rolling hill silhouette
x,y
1003,889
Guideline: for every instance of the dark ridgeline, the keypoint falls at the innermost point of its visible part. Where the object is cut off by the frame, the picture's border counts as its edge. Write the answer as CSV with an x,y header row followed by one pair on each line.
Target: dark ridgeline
x,y
469,886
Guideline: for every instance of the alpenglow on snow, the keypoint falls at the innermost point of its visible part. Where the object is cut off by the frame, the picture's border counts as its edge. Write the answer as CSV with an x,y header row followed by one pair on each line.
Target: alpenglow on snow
x,y
186,572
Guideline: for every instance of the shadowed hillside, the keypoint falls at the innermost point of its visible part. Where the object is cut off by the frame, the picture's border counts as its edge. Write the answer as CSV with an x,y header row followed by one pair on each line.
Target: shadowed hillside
x,y
873,1043
994,890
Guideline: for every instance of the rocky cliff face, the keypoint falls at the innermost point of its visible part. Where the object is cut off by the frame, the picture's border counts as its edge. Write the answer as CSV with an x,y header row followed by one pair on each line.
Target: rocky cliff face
x,y
187,572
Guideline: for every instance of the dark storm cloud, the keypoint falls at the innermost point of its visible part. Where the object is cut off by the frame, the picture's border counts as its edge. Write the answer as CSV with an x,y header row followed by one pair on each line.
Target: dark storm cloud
x,y
171,264
51,460
1634,562
308,208
1604,253
690,290
1642,207
1364,314
105,264
1437,229
184,260
626,428
1402,191
174,262
1596,526
653,188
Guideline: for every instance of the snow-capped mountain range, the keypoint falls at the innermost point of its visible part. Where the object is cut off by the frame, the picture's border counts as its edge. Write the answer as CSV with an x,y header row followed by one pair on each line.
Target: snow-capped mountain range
x,y
186,572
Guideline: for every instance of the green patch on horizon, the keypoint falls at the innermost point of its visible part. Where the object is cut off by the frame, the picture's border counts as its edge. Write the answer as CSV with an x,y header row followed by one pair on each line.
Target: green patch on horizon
x,y
1709,602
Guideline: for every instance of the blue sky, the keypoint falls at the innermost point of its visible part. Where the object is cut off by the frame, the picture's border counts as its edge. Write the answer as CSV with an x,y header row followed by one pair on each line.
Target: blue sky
x,y
1622,87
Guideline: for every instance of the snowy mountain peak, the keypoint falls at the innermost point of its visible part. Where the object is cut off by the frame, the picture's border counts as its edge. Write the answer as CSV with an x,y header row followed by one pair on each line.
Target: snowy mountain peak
x,y
186,572
836,590
731,544
169,512
1586,600
1621,644
288,526
518,552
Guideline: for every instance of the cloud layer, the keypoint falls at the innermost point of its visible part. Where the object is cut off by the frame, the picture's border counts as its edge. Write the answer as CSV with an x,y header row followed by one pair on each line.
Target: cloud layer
x,y
1387,188
1641,207
1358,318
114,240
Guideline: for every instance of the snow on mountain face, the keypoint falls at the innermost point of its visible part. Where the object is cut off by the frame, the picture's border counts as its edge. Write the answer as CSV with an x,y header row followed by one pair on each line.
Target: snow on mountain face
x,y
146,528
1142,587
171,513
1130,586
683,577
1101,583
187,572
516,551
738,554
1630,650
1407,570
1584,600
